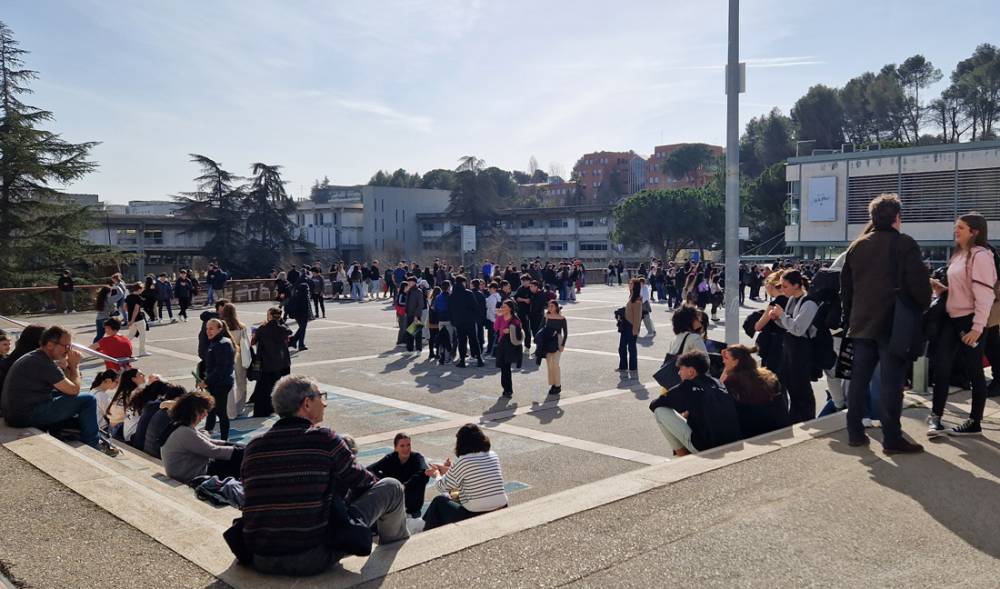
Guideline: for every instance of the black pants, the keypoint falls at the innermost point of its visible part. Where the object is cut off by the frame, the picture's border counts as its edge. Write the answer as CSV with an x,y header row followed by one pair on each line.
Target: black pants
x,y
184,302
506,380
414,493
227,468
299,338
318,306
468,342
526,326
159,309
742,293
443,510
417,339
491,339
221,398
867,354
261,396
992,350
950,349
628,354
796,367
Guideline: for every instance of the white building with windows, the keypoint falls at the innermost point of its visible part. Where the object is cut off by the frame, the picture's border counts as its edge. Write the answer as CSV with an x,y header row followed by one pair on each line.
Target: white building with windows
x,y
828,194
391,229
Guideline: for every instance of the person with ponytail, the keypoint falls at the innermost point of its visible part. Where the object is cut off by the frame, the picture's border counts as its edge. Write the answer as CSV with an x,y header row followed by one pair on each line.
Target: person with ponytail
x,y
796,319
970,289
103,388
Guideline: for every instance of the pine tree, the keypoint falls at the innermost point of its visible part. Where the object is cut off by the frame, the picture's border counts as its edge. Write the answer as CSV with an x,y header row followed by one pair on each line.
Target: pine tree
x,y
269,227
41,229
216,207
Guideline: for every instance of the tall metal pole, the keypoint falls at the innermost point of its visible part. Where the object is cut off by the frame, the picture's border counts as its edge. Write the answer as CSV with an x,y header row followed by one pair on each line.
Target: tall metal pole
x,y
733,177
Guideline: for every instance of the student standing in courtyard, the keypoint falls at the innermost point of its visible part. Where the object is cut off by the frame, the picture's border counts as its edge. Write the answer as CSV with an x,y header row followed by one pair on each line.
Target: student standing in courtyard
x,y
970,291
628,329
508,345
66,289
136,317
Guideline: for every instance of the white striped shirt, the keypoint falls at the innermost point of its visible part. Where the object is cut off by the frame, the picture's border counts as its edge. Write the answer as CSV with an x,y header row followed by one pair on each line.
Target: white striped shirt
x,y
478,479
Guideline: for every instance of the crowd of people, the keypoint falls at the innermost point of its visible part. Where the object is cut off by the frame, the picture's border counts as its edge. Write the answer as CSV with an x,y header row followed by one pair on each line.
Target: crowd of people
x,y
858,323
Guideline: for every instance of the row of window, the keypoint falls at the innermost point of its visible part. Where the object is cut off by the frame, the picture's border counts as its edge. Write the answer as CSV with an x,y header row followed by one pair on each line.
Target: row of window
x,y
533,246
131,236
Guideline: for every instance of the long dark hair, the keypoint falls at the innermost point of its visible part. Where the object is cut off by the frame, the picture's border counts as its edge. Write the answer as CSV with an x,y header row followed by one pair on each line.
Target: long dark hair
x,y
795,277
635,290
471,438
126,386
103,376
102,297
750,383
977,223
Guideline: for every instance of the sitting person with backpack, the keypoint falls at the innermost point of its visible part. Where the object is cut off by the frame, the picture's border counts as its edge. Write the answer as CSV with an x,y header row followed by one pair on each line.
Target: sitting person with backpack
x,y
697,414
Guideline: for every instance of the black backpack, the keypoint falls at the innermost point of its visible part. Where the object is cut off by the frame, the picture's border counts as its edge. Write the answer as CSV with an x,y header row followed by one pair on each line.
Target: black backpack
x,y
825,290
624,325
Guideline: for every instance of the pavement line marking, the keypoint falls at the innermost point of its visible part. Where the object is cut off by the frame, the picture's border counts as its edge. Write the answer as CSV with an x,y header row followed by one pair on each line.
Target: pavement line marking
x,y
593,319
173,354
349,324
354,359
496,416
585,445
613,354
396,403
603,331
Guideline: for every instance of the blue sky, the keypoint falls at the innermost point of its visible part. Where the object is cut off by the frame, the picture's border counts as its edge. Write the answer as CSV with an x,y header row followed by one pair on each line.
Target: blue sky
x,y
344,88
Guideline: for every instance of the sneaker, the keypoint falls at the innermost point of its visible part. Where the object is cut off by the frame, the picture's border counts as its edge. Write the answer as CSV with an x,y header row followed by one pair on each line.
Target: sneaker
x,y
507,394
461,364
480,363
555,391
857,442
934,427
971,427
902,446
108,449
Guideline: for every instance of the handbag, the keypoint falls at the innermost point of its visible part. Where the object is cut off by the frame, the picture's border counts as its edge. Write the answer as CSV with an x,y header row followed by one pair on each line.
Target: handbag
x,y
906,340
516,335
253,372
668,376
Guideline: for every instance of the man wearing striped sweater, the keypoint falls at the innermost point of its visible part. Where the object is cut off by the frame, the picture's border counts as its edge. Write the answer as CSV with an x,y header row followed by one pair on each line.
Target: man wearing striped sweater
x,y
298,478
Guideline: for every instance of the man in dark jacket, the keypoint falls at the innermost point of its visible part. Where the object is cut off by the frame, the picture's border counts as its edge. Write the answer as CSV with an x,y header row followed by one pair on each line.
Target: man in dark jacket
x,y
464,312
271,340
697,414
477,291
66,291
293,276
298,309
878,261
416,301
536,306
522,296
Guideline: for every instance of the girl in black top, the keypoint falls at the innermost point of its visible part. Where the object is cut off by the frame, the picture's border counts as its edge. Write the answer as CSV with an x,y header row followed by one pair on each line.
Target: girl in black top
x,y
556,322
769,339
136,316
407,467
149,297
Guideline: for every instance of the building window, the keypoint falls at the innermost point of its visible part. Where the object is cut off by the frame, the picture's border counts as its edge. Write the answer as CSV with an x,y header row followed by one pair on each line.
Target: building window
x,y
586,223
596,246
558,246
152,236
319,218
126,236
534,245
527,223
794,201
558,223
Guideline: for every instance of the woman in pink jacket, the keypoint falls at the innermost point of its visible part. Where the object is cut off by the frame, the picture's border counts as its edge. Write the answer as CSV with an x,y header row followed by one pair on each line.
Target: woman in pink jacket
x,y
971,277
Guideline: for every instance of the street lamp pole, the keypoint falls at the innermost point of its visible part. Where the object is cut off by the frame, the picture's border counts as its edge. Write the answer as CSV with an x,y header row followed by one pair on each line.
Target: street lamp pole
x,y
734,83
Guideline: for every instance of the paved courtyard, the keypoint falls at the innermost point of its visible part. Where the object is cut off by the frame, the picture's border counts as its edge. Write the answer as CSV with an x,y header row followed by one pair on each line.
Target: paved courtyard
x,y
601,425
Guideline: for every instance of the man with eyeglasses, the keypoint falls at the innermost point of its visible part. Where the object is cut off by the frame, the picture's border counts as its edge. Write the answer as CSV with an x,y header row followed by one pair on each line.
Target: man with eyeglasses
x,y
43,389
308,501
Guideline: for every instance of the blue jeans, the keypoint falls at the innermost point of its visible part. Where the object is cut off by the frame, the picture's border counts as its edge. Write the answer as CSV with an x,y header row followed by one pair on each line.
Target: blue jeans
x,y
211,296
356,292
64,407
99,324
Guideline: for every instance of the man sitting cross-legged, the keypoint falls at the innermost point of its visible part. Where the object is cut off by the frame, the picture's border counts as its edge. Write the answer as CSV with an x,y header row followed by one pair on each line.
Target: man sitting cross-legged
x,y
698,413
308,501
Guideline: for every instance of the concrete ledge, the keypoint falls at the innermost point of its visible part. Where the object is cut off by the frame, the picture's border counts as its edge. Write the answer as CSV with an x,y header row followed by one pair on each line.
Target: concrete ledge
x,y
130,489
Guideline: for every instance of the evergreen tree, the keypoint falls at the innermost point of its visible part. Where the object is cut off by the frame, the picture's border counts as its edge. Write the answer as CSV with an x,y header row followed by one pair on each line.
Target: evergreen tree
x,y
268,223
41,229
216,206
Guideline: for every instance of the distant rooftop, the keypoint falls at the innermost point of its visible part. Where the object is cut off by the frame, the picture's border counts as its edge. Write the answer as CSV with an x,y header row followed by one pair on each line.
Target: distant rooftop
x,y
895,152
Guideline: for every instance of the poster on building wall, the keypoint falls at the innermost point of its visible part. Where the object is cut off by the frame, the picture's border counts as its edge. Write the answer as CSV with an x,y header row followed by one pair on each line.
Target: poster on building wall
x,y
468,238
822,199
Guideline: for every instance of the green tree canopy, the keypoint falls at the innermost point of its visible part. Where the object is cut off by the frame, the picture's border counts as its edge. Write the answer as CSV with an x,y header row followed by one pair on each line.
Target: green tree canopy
x,y
669,220
820,118
439,178
217,207
768,139
684,161
915,74
269,228
474,199
41,229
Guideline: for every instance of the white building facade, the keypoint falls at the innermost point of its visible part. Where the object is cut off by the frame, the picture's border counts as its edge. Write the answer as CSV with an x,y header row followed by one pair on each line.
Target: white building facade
x,y
828,195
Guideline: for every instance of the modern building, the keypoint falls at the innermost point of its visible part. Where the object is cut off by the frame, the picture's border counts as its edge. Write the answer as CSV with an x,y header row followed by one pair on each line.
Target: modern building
x,y
550,194
600,168
579,231
828,194
391,230
333,227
